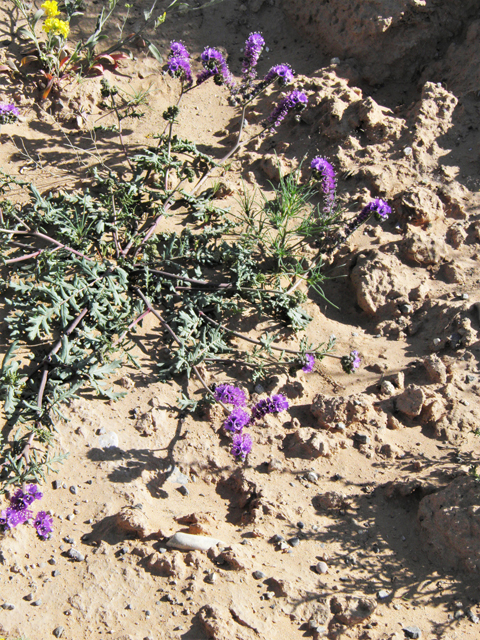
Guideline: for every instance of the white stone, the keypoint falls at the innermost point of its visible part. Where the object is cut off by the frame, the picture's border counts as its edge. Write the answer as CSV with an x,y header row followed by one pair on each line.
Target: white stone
x,y
189,542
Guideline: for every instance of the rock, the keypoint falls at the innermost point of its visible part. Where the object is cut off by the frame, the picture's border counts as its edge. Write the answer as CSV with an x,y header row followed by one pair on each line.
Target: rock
x,y
281,588
294,542
412,632
391,451
258,575
312,476
422,248
437,371
183,490
387,388
235,558
211,578
132,520
321,567
307,443
350,410
275,465
331,500
361,438
165,565
37,603
378,280
456,235
198,523
58,631
383,594
410,402
218,624
272,167
177,476
109,440
189,542
393,423
75,555
449,521
420,206
350,610
453,273
8,606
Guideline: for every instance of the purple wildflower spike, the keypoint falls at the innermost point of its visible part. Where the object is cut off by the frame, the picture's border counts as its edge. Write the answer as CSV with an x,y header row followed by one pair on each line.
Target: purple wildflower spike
x,y
281,72
295,100
230,395
44,525
179,67
309,363
253,48
279,403
275,404
237,420
379,208
351,362
215,66
179,50
21,500
322,169
11,517
241,445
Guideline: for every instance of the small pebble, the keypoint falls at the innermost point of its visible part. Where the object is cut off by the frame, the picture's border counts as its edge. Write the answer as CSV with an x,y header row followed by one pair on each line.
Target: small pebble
x,y
465,296
412,632
52,561
294,542
75,555
88,481
55,573
69,540
7,606
300,525
341,426
128,606
58,632
361,438
73,490
183,490
55,484
322,567
277,538
436,342
472,617
335,61
312,476
70,516
258,575
29,597
211,578
36,603
408,151
383,594
283,545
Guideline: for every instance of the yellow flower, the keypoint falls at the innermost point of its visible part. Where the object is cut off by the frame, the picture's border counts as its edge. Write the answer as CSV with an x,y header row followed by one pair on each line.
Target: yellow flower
x,y
51,8
57,26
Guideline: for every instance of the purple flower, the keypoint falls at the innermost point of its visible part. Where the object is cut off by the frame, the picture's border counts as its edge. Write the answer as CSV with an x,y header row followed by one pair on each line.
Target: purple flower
x,y
322,169
43,524
351,362
8,113
253,48
242,445
309,363
295,100
275,404
281,72
179,67
279,403
11,517
215,66
21,500
237,420
179,50
230,395
379,208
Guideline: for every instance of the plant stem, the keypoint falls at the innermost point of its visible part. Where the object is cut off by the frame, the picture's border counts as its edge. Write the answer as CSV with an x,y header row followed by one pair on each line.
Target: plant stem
x,y
37,234
166,326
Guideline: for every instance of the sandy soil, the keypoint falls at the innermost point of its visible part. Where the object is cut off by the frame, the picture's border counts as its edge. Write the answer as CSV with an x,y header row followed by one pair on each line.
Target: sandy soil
x,y
402,293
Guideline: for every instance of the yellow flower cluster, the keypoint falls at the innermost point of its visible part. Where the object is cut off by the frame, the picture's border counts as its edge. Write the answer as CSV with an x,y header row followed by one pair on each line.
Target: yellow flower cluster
x,y
57,26
51,8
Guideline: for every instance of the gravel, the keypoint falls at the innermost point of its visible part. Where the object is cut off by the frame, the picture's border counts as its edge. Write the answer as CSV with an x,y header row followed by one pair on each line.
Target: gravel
x,y
258,575
412,632
75,555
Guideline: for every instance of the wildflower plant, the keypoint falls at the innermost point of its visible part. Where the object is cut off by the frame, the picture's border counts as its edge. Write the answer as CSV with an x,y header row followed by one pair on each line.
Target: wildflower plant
x,y
84,268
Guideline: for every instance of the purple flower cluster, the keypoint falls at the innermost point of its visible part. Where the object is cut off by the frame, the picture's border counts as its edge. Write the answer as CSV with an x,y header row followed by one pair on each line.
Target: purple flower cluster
x,y
253,48
379,208
216,67
241,445
237,420
229,394
281,72
323,170
309,363
351,362
275,404
8,113
44,525
179,63
294,101
19,513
